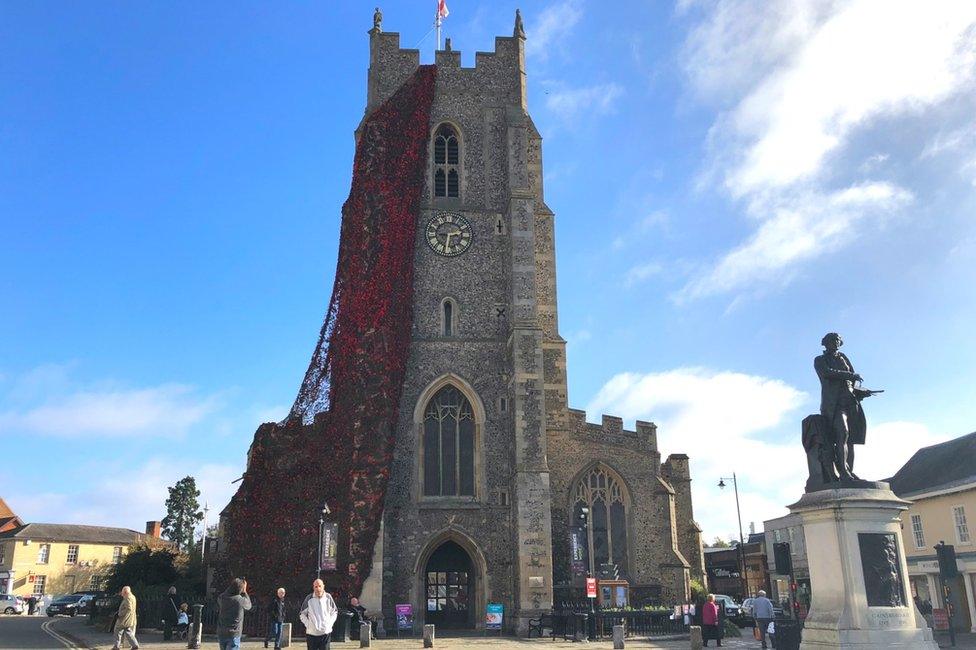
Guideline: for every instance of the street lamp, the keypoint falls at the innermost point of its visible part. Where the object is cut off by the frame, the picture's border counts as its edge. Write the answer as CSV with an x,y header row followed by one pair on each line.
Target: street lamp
x,y
318,559
590,562
742,551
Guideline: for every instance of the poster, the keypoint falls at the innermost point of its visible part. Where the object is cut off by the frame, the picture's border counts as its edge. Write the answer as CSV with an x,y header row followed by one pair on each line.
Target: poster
x,y
494,616
404,616
330,534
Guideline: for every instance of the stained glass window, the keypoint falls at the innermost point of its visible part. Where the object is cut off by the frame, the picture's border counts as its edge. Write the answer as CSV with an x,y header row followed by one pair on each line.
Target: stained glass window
x,y
448,444
601,508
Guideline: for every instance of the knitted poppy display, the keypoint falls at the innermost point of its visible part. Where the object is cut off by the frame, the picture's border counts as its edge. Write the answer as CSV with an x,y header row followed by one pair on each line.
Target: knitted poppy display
x,y
336,445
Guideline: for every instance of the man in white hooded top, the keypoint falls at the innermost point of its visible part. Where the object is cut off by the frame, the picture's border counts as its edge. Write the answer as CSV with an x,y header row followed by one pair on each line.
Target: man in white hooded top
x,y
319,613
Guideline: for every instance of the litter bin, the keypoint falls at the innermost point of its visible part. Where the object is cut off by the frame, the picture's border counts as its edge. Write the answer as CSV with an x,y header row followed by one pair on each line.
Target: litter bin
x,y
787,635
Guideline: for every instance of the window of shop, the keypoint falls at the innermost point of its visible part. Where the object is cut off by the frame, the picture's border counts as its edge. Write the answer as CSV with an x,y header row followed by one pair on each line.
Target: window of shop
x,y
39,585
72,554
43,553
117,554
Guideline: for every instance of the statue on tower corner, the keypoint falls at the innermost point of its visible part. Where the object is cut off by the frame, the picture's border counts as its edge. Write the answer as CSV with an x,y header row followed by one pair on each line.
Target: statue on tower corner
x,y
829,437
519,29
377,20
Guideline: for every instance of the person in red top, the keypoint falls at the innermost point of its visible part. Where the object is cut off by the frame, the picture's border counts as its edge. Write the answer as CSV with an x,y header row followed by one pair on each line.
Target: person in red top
x,y
710,622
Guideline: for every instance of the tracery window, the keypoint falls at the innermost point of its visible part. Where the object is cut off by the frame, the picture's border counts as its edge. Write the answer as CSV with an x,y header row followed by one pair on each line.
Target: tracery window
x,y
601,509
448,454
447,160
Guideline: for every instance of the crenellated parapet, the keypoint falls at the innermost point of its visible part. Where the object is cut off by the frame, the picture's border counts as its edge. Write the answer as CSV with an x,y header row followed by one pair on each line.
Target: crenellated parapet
x,y
503,69
611,430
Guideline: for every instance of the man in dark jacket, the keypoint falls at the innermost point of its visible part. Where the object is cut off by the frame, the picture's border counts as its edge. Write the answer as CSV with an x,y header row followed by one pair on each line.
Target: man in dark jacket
x,y
230,619
171,612
276,618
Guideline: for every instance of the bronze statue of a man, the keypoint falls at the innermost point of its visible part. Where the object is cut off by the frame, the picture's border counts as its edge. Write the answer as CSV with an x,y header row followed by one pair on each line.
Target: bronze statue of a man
x,y
840,403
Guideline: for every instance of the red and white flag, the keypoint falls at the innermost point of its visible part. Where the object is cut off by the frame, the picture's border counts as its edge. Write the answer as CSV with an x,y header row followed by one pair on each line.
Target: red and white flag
x,y
442,11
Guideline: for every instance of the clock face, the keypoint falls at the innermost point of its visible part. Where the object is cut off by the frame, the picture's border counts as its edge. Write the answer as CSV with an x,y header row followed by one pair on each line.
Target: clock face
x,y
448,234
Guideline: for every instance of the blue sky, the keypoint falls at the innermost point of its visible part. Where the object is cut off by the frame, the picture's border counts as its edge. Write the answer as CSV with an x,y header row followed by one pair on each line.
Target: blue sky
x,y
731,179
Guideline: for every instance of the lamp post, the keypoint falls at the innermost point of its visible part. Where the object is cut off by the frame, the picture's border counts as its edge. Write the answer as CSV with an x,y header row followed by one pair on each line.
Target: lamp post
x,y
318,558
742,543
590,572
203,544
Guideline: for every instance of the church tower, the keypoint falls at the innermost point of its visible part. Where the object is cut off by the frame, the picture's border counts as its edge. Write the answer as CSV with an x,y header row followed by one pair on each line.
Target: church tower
x,y
433,419
467,513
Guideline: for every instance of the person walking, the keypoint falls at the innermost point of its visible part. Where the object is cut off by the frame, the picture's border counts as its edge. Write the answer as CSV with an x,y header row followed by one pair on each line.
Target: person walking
x,y
710,622
230,620
762,612
125,621
318,614
277,615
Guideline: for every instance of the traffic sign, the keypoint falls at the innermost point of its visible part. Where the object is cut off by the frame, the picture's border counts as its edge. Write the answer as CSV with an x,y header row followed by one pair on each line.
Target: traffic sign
x,y
591,587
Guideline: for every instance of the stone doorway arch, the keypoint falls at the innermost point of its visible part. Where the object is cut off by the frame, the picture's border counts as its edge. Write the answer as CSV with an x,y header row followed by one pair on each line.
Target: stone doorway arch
x,y
450,586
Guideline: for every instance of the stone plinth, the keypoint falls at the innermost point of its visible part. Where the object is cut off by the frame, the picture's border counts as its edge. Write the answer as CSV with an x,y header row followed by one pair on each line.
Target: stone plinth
x,y
428,636
861,597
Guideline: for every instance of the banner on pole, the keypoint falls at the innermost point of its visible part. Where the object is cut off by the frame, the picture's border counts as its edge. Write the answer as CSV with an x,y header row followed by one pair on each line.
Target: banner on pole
x,y
330,545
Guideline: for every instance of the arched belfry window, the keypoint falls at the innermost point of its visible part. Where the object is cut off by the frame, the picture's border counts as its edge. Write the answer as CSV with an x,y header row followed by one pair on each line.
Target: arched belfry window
x,y
449,317
600,510
449,430
447,162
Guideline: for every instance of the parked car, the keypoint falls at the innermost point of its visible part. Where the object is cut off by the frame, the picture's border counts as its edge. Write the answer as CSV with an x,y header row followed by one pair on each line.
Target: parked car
x,y
12,604
70,605
733,610
747,609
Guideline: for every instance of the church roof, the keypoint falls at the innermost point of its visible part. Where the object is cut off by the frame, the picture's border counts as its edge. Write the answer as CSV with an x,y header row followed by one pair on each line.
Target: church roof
x,y
938,467
76,534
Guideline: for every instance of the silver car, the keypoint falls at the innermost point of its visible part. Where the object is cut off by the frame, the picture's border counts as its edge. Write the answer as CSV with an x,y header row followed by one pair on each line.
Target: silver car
x,y
11,604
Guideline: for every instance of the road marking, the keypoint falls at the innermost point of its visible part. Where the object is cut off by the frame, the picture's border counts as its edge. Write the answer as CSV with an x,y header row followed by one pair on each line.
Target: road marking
x,y
48,627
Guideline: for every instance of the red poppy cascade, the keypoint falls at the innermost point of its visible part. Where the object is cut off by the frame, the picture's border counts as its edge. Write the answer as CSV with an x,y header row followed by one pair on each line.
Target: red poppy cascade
x,y
336,445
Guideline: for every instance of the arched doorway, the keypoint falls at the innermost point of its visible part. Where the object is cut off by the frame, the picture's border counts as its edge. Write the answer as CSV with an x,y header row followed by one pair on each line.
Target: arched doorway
x,y
449,582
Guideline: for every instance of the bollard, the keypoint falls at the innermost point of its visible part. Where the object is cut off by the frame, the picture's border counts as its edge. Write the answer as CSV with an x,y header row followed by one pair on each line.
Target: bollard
x,y
618,637
696,637
428,636
286,635
365,634
195,637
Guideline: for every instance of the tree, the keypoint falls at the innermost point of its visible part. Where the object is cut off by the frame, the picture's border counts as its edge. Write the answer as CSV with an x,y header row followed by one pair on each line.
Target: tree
x,y
719,543
146,566
182,513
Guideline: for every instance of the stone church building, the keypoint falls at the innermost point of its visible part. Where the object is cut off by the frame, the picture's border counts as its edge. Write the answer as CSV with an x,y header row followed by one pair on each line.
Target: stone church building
x,y
494,477
498,491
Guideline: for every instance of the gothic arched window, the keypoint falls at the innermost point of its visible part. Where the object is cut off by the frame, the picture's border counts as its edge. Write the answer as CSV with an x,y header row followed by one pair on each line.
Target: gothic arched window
x,y
447,160
600,510
449,429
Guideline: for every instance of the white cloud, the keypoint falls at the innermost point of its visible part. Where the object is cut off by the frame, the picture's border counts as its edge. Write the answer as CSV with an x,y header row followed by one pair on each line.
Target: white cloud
x,y
794,229
554,24
641,272
168,408
798,82
127,497
571,105
730,422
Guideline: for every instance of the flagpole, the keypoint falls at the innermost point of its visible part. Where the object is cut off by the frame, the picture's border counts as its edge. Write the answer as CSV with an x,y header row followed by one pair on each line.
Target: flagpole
x,y
438,46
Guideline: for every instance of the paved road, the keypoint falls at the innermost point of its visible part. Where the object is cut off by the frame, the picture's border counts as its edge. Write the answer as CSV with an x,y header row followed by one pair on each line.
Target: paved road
x,y
30,632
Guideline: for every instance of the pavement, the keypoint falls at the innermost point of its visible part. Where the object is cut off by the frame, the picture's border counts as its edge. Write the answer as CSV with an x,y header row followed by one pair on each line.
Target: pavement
x,y
43,633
